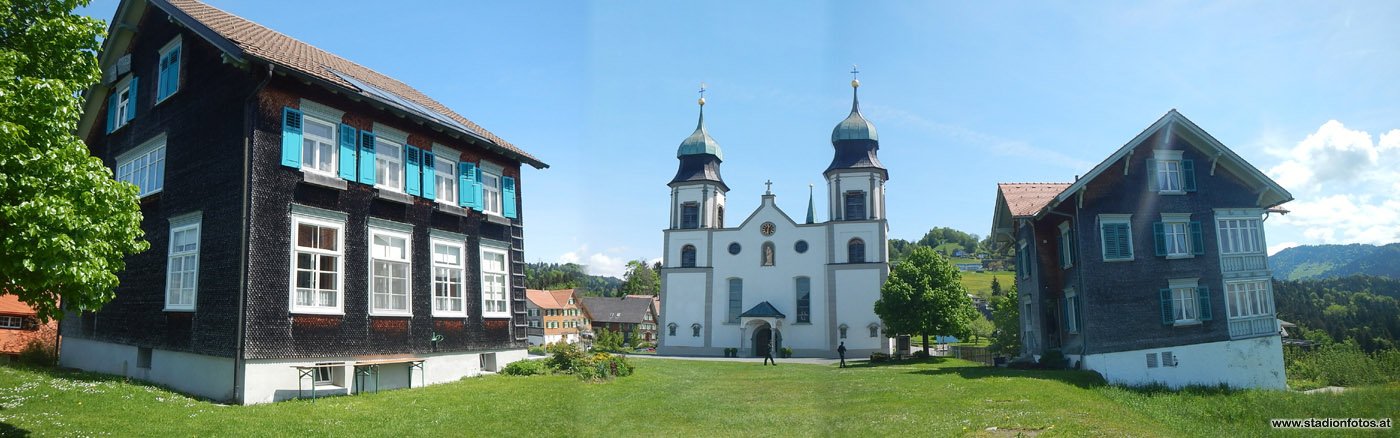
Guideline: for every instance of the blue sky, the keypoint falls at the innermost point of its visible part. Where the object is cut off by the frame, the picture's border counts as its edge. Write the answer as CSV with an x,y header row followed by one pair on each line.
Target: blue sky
x,y
964,95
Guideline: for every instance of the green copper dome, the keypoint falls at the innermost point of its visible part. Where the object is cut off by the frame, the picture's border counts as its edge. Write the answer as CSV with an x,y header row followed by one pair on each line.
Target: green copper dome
x,y
855,127
700,142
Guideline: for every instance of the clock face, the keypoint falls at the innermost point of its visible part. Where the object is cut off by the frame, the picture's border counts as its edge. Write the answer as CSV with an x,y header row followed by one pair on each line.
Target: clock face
x,y
767,228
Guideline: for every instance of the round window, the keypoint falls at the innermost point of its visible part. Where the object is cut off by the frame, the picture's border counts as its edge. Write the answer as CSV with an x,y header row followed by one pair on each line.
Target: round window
x,y
734,248
800,246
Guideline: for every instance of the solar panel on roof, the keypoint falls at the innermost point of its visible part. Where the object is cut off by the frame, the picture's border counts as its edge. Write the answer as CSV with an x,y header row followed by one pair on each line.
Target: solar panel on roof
x,y
405,104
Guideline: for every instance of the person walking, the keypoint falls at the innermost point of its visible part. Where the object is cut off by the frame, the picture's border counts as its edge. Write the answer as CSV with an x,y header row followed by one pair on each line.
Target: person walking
x,y
769,356
841,350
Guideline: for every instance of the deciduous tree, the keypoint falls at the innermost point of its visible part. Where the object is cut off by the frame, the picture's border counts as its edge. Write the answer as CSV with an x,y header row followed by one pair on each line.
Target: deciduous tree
x,y
924,296
1006,338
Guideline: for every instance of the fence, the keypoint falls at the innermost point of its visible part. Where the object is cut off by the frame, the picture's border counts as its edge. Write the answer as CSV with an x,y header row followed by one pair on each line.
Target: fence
x,y
974,354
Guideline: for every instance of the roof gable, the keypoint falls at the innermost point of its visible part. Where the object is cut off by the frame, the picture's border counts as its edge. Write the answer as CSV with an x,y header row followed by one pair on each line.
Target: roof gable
x,y
1021,200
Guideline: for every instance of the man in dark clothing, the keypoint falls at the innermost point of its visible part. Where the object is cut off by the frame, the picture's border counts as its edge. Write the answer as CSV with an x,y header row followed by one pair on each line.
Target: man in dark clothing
x,y
841,350
769,356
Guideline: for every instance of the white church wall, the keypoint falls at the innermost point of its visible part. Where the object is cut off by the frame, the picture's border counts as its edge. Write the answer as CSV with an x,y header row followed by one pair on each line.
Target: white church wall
x,y
679,239
868,232
856,293
684,305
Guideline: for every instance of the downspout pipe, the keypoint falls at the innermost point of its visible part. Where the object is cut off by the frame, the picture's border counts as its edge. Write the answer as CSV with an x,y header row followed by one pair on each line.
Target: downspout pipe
x,y
250,112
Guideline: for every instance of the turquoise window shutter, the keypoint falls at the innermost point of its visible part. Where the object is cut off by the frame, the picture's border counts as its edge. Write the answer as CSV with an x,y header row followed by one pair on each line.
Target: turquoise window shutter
x,y
1159,236
1151,175
429,175
1188,175
1198,245
367,170
1078,313
111,113
466,195
1203,302
508,197
174,71
347,151
1125,241
291,137
1167,314
412,184
1064,312
479,191
131,101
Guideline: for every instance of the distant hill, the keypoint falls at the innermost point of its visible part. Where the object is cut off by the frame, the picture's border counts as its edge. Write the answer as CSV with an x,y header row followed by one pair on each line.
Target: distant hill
x,y
1331,261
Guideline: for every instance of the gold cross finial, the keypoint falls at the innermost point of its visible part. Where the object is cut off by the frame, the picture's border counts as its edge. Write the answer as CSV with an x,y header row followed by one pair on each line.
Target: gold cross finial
x,y
855,80
702,94
769,183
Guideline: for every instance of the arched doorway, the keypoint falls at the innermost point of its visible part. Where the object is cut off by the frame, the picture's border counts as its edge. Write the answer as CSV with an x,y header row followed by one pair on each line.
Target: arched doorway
x,y
764,335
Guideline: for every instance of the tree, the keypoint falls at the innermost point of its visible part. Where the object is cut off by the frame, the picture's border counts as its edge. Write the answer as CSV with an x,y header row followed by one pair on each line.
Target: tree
x,y
65,224
925,296
981,329
1006,318
996,287
640,279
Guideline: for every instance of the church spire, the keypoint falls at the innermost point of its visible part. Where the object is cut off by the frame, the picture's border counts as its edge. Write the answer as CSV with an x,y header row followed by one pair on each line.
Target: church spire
x,y
811,211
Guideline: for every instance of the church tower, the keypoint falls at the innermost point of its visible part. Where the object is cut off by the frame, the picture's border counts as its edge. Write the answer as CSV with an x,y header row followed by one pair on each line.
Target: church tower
x,y
856,179
698,191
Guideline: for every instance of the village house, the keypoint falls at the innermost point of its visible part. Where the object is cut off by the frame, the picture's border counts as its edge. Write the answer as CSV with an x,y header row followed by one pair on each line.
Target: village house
x,y
313,223
1151,268
20,327
555,316
624,314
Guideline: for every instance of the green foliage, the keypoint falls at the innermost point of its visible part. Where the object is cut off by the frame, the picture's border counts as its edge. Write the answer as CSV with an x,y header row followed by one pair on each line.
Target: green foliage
x,y
608,341
536,367
640,279
1358,307
924,296
946,241
981,328
878,357
785,352
996,287
1006,320
604,366
565,357
38,353
1310,262
66,225
1340,364
536,350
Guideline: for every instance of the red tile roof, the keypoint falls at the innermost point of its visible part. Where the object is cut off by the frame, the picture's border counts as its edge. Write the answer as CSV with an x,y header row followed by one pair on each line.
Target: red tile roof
x,y
10,305
1026,199
269,45
550,299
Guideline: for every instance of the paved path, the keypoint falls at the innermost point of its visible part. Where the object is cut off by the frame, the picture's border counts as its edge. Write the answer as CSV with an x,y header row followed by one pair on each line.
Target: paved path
x,y
759,360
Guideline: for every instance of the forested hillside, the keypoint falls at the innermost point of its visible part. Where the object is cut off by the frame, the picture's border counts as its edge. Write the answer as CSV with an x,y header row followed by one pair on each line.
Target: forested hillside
x,y
1326,261
570,276
1363,308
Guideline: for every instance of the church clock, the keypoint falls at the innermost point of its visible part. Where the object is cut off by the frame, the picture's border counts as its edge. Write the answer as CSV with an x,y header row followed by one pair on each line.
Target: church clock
x,y
767,228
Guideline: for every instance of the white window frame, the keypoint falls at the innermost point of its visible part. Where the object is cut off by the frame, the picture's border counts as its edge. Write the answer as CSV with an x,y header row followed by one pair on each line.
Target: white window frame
x,y
1236,232
309,165
191,265
461,268
406,261
1066,255
144,167
384,164
11,322
490,187
1185,305
173,46
1169,222
329,379
446,181
1116,219
123,88
504,274
1071,311
1242,301
1166,160
339,254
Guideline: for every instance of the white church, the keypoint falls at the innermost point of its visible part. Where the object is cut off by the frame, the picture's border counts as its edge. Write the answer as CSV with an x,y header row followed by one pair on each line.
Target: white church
x,y
768,280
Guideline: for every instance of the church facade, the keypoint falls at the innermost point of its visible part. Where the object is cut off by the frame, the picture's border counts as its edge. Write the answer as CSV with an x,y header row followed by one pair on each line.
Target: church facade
x,y
764,280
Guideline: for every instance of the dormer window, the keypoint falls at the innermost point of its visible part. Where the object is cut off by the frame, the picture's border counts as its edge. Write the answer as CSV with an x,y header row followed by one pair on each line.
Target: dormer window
x,y
1169,173
121,105
168,71
1169,176
855,205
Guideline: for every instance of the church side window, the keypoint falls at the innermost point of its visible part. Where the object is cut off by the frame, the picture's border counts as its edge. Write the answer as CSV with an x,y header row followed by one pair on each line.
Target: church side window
x,y
855,251
855,205
719,217
690,215
842,330
671,329
804,300
688,256
695,330
736,299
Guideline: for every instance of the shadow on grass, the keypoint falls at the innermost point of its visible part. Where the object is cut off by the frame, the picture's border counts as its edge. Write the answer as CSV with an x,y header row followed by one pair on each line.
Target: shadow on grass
x,y
893,363
9,430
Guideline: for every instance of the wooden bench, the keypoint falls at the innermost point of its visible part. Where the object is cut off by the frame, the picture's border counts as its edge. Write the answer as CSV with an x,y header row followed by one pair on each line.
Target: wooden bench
x,y
364,369
304,371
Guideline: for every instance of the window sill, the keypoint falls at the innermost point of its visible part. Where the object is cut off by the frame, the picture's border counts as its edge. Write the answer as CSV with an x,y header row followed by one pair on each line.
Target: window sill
x,y
311,177
1129,259
495,316
1180,256
1171,192
390,195
313,311
492,217
382,314
179,309
801,323
452,209
461,315
1186,323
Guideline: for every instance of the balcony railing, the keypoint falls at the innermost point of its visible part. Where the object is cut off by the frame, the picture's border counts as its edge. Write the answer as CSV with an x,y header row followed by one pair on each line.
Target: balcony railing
x,y
1253,326
1244,262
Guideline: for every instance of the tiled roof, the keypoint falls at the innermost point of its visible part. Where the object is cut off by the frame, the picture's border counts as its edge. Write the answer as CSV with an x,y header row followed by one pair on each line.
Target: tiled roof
x,y
261,42
1026,199
542,299
10,305
617,309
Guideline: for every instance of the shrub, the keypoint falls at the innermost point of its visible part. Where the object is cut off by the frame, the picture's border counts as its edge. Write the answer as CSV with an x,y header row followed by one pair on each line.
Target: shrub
x,y
526,368
37,353
1342,364
921,354
645,345
785,352
564,356
879,357
731,352
603,366
537,350
1053,360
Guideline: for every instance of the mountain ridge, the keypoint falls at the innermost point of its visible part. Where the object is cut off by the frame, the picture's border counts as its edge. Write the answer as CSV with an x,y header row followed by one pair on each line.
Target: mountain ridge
x,y
1308,262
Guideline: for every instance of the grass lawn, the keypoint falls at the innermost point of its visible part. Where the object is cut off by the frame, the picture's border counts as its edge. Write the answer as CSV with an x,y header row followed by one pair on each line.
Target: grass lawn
x,y
687,398
980,283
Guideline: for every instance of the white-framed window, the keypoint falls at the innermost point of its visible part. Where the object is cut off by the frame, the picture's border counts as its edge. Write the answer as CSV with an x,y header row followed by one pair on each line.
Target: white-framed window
x,y
182,271
1169,176
11,322
318,252
144,166
1066,255
1240,235
1184,301
446,176
123,97
490,190
1116,235
318,145
1249,298
388,165
671,329
324,375
168,69
1175,233
495,283
389,254
695,330
449,268
1071,311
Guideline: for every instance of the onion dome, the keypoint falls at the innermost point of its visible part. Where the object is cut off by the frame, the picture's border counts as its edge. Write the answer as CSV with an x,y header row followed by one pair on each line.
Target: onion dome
x,y
700,142
855,127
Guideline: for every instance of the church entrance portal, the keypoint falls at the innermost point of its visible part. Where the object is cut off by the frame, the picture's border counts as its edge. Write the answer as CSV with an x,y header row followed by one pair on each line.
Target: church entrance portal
x,y
762,337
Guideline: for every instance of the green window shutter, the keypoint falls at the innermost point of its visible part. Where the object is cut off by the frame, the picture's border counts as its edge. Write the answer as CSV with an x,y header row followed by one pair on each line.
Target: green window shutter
x,y
412,168
1151,175
508,197
367,157
466,177
172,70
111,113
347,151
1064,312
1198,245
1203,302
1167,314
1078,313
1188,175
1159,237
131,101
429,175
1125,241
291,137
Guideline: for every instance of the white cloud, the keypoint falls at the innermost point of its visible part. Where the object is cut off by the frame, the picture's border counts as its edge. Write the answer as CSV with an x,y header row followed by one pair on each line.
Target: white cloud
x,y
1275,248
598,263
1347,187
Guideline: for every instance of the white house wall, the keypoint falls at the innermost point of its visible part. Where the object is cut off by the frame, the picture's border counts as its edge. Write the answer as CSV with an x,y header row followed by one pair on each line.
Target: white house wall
x,y
1246,363
270,380
205,376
